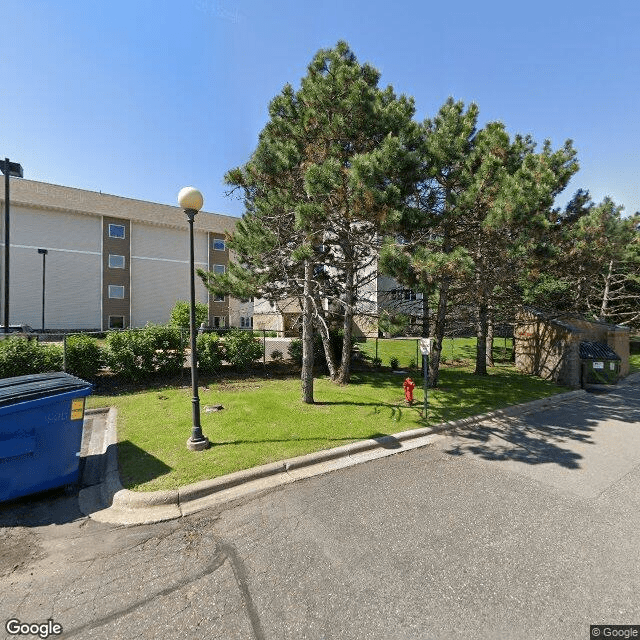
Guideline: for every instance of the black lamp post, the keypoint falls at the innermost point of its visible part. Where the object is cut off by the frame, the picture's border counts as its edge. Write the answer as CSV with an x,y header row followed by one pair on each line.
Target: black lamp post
x,y
44,268
9,169
191,201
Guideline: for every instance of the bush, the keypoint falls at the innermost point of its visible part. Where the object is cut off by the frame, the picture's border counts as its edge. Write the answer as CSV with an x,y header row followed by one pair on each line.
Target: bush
x,y
169,348
393,324
139,354
181,314
210,353
242,349
376,362
83,356
21,357
394,363
277,355
130,355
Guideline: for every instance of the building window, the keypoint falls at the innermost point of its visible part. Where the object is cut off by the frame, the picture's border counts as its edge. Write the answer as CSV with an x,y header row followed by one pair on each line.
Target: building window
x,y
116,262
219,244
116,231
116,322
246,323
409,294
218,268
116,291
218,298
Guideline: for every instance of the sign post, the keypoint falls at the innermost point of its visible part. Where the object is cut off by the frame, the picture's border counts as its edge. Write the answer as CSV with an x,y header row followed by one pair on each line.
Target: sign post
x,y
425,348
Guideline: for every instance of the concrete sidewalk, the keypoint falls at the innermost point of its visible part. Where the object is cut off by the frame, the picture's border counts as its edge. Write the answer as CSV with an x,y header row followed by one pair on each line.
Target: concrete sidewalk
x,y
104,499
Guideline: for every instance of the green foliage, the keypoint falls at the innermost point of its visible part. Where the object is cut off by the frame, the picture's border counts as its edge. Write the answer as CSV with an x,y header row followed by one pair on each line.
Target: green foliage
x,y
168,349
140,354
181,313
20,357
394,363
242,349
84,357
277,355
395,324
319,359
210,353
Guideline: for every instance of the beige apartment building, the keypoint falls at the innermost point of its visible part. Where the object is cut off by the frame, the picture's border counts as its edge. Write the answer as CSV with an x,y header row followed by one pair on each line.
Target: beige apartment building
x,y
111,262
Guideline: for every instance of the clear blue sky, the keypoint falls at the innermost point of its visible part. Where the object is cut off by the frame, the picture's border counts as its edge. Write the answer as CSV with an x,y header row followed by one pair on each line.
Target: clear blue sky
x,y
142,97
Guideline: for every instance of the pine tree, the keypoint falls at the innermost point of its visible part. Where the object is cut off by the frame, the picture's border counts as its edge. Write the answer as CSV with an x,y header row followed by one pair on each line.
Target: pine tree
x,y
331,169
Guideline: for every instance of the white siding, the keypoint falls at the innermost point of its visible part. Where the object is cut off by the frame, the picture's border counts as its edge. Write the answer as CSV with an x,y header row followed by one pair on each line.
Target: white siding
x,y
73,267
160,271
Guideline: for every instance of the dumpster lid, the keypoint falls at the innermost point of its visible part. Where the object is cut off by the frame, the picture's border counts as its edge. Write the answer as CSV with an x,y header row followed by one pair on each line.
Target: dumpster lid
x,y
597,351
39,385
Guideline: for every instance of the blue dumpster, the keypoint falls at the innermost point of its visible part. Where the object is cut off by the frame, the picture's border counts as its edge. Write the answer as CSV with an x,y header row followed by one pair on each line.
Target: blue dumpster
x,y
41,419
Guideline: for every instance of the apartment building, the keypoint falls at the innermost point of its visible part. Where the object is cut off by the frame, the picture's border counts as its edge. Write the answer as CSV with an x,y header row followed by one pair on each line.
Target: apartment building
x,y
111,262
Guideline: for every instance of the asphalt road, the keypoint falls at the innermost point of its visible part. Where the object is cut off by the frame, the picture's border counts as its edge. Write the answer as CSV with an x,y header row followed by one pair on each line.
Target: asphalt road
x,y
524,528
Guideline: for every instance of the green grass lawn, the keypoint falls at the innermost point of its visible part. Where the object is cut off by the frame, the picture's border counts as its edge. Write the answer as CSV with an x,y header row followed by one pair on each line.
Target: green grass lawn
x,y
634,362
264,420
407,350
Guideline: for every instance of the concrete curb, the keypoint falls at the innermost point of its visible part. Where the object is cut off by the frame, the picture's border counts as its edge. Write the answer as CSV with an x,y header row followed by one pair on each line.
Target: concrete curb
x,y
109,502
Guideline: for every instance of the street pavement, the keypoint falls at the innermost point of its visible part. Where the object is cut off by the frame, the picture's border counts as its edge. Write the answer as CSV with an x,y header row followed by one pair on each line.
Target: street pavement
x,y
518,527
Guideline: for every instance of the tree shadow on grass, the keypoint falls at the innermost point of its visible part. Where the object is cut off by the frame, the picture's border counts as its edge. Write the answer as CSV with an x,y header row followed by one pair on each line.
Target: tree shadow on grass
x,y
147,467
383,439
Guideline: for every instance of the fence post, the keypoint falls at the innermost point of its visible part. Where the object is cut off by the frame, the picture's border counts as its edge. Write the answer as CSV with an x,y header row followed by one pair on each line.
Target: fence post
x,y
64,352
417,359
376,347
264,348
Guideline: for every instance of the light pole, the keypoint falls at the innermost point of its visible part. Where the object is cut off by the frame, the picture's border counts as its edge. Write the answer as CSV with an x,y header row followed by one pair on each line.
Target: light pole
x,y
9,169
44,268
191,201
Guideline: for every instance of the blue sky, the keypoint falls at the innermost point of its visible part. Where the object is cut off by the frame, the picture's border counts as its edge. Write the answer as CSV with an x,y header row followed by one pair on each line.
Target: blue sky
x,y
140,98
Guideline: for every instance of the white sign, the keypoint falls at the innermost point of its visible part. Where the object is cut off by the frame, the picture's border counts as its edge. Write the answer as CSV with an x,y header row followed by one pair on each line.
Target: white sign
x,y
425,346
598,365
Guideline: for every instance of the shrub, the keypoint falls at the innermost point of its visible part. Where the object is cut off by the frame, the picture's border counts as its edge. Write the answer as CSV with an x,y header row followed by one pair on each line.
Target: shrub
x,y
376,362
181,313
241,349
210,353
394,324
277,355
130,354
139,354
169,348
394,363
83,356
20,357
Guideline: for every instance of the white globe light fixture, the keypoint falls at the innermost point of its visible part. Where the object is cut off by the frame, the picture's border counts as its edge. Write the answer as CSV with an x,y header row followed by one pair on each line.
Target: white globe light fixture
x,y
191,200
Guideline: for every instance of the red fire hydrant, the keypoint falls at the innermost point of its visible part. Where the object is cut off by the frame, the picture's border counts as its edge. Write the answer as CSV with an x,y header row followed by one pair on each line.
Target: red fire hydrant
x,y
409,385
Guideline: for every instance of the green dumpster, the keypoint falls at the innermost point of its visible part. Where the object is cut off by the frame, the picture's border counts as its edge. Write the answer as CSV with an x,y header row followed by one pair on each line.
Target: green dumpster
x,y
600,363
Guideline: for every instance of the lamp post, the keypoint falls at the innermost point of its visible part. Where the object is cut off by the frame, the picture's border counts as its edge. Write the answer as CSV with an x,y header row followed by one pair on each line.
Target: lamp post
x,y
44,268
191,201
9,169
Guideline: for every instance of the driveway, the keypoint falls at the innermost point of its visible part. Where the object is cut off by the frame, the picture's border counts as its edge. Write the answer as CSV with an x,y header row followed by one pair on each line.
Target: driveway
x,y
518,528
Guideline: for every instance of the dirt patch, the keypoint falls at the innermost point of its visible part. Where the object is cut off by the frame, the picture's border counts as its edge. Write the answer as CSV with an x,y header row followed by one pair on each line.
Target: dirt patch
x,y
19,548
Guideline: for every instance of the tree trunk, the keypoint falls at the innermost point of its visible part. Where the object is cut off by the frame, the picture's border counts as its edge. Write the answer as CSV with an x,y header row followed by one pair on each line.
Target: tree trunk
x,y
481,333
425,315
489,340
344,372
307,335
605,296
438,333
